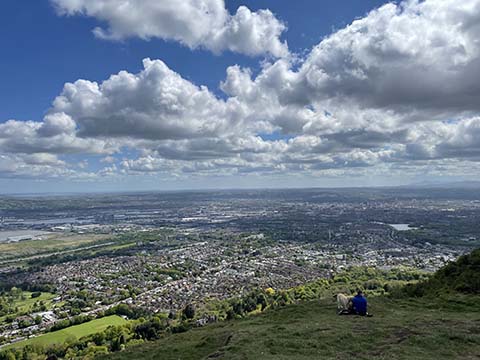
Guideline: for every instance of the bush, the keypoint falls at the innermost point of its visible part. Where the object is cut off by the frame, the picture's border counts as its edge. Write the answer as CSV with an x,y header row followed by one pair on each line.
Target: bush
x,y
189,311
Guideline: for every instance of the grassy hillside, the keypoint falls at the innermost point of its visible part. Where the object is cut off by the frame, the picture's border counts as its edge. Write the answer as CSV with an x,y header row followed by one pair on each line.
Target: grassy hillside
x,y
437,318
400,329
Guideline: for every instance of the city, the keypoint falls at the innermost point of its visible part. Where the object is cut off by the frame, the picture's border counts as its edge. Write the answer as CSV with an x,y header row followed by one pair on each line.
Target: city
x,y
239,179
170,250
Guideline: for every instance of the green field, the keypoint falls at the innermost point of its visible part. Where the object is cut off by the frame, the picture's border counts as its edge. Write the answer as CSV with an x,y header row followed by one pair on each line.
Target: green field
x,y
27,303
54,242
24,305
77,331
399,329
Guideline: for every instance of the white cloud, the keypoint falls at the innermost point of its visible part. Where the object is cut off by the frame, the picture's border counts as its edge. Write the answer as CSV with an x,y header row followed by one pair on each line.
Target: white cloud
x,y
57,124
54,135
156,103
251,33
395,90
418,54
194,23
108,160
37,166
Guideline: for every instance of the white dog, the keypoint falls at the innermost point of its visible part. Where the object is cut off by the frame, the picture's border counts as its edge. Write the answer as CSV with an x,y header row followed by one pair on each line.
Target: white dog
x,y
344,303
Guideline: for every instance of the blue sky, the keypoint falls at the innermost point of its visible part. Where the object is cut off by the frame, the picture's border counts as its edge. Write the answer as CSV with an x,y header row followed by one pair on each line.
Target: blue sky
x,y
304,93
44,50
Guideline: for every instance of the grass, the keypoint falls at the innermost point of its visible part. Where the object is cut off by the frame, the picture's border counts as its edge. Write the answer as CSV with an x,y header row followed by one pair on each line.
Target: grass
x,y
77,331
55,242
114,247
25,304
399,329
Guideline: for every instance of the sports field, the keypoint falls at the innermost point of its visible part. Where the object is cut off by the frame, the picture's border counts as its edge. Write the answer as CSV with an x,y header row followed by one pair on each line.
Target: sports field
x,y
71,332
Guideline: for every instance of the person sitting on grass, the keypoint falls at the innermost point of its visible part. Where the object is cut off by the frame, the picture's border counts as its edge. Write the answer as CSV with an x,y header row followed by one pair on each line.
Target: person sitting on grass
x,y
359,304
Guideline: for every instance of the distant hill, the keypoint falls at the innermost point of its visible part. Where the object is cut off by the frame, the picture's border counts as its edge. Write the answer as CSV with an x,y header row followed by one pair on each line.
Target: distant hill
x,y
419,324
445,185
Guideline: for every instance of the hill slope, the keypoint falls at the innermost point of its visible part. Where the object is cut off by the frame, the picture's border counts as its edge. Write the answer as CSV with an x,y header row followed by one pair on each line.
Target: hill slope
x,y
434,319
462,275
400,329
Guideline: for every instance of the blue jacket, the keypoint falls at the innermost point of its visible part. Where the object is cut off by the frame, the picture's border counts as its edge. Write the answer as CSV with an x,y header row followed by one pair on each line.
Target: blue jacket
x,y
359,305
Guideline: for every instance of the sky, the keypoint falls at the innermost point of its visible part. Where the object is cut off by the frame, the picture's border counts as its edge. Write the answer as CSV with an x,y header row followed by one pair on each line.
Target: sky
x,y
116,95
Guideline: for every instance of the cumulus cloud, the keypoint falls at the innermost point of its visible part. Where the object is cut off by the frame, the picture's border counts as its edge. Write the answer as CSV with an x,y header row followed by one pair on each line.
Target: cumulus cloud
x,y
445,140
56,124
38,166
386,84
156,103
397,89
416,54
54,135
194,23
